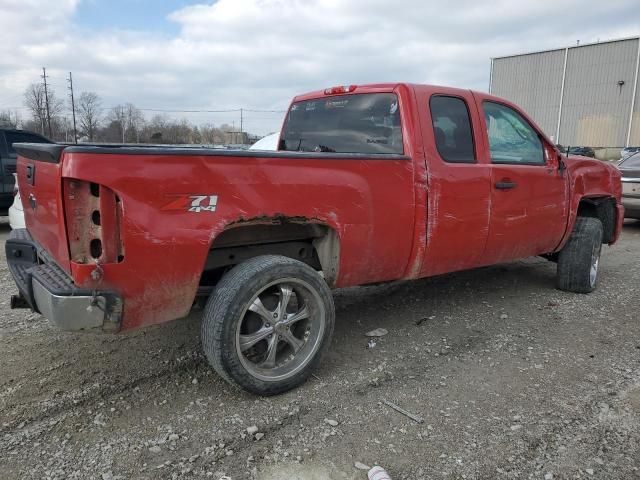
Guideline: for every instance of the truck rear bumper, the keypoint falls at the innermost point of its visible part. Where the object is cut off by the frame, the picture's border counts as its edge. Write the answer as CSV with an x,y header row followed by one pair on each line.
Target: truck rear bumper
x,y
48,290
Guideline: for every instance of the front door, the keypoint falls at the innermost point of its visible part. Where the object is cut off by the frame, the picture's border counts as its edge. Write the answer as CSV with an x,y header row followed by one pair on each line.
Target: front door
x,y
528,192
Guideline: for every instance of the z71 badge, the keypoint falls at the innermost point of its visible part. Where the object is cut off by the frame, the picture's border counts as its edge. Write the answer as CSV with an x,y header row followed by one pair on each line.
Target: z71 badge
x,y
193,203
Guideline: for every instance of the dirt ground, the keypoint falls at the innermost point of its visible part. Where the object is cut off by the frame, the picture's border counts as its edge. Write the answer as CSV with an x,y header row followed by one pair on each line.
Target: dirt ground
x,y
513,379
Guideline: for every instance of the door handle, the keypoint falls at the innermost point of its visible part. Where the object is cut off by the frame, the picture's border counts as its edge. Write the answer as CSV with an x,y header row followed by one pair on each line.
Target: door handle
x,y
505,185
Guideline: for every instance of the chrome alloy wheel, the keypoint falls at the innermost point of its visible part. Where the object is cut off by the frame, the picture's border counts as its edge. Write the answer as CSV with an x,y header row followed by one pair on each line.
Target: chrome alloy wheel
x,y
281,329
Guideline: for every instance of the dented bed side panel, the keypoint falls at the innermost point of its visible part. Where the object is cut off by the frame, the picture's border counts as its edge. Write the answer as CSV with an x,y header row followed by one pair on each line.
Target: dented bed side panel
x,y
369,203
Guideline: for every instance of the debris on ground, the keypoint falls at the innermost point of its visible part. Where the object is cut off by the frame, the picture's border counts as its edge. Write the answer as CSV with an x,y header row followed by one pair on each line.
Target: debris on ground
x,y
398,409
378,332
378,473
420,321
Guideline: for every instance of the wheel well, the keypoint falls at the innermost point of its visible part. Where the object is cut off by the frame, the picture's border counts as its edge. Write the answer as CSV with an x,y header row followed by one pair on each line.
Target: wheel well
x,y
603,209
315,244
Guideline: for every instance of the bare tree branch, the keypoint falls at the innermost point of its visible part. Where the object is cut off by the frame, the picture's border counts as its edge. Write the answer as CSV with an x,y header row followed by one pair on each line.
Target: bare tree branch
x,y
89,114
34,100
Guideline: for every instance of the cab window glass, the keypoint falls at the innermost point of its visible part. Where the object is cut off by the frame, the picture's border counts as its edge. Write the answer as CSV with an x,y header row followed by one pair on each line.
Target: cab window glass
x,y
452,129
511,138
359,123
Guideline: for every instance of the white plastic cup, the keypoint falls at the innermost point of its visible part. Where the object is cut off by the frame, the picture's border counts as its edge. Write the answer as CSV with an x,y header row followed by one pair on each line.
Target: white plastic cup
x,y
378,473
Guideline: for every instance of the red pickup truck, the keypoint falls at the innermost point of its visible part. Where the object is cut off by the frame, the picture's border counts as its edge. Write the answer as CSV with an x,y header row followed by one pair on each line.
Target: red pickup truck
x,y
369,184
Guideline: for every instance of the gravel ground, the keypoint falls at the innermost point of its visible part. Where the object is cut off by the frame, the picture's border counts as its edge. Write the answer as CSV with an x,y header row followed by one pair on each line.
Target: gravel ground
x,y
513,379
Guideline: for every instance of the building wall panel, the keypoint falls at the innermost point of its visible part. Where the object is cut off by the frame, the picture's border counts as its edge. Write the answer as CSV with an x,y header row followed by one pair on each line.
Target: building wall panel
x,y
634,138
595,109
533,82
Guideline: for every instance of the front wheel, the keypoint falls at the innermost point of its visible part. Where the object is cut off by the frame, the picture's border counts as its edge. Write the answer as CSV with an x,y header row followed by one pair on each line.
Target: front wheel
x,y
267,324
579,260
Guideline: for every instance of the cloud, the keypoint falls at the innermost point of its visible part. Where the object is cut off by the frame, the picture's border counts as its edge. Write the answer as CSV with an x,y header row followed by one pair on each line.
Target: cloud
x,y
257,54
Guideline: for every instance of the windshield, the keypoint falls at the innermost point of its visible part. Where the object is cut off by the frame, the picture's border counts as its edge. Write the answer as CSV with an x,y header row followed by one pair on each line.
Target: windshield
x,y
361,123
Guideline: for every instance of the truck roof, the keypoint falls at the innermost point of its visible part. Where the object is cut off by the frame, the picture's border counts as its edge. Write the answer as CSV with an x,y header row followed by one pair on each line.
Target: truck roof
x,y
379,87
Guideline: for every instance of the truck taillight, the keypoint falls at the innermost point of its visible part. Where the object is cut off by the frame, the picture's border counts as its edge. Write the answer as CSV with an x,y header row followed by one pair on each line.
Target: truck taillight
x,y
340,89
93,216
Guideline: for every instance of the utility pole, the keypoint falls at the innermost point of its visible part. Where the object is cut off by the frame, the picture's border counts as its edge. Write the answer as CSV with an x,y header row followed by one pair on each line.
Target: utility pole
x,y
73,110
46,99
241,136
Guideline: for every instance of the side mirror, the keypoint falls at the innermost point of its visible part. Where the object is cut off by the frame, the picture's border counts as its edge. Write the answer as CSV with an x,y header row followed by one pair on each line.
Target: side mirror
x,y
561,165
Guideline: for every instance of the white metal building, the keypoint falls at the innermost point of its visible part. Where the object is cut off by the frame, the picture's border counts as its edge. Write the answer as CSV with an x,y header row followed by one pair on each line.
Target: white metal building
x,y
584,95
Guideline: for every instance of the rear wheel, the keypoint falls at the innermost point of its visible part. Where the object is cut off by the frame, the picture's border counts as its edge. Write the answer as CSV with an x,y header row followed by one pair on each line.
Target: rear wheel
x,y
579,260
267,324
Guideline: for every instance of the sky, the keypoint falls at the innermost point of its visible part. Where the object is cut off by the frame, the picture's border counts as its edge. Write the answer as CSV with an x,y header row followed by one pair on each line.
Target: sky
x,y
176,56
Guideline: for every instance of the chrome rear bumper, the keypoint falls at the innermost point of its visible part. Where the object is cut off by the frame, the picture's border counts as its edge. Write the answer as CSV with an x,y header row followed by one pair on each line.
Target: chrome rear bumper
x,y
48,290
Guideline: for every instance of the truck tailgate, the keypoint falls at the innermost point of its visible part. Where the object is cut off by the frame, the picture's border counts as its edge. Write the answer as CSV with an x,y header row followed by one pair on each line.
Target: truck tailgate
x,y
39,180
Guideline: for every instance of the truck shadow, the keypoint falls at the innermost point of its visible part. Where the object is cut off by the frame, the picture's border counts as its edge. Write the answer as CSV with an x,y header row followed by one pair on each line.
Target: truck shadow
x,y
73,369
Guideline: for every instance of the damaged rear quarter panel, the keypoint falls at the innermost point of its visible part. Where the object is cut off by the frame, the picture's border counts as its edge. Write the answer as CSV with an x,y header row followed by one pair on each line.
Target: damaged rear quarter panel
x,y
369,203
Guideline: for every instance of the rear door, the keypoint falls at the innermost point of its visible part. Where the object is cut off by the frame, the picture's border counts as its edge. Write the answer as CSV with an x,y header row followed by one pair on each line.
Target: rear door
x,y
529,198
458,181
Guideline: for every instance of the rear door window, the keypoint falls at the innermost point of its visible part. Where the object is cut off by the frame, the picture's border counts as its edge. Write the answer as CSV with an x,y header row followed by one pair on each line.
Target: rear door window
x,y
360,123
452,129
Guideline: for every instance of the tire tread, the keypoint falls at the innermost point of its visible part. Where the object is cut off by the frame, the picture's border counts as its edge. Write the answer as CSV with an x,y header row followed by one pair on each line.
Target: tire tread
x,y
574,260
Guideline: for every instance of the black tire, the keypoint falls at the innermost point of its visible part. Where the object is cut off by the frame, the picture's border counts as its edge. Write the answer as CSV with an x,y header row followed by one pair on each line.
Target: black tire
x,y
580,256
231,309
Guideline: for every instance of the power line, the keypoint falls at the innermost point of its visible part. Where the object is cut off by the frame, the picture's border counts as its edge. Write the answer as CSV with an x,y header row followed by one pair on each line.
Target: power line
x,y
264,111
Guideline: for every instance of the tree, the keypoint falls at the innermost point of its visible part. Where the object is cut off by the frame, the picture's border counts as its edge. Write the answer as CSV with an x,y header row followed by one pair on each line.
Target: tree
x,y
35,101
117,116
129,121
89,112
134,122
9,119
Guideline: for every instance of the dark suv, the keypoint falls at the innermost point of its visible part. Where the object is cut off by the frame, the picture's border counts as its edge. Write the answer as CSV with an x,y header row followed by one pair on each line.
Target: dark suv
x,y
9,136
